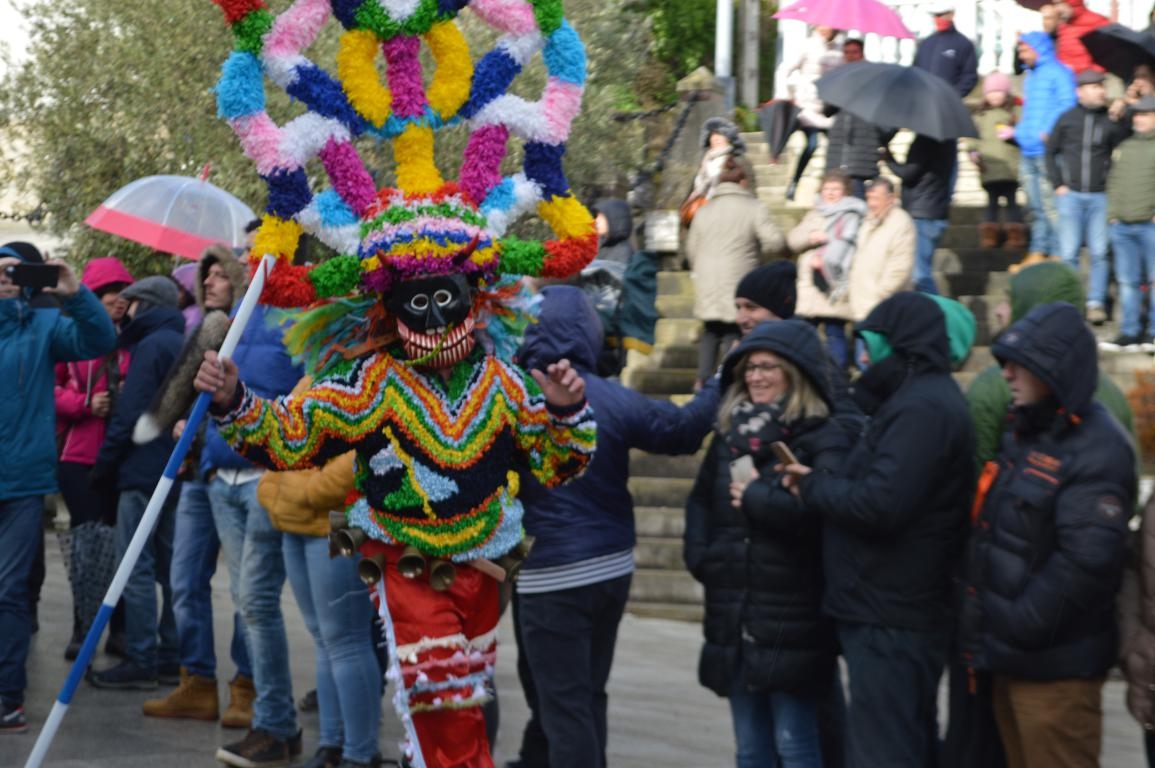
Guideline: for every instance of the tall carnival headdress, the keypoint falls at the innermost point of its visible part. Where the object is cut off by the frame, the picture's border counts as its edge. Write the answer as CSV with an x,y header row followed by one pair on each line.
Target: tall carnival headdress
x,y
425,225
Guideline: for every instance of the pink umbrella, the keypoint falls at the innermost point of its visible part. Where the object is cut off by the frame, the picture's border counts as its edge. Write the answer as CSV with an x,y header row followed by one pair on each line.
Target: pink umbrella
x,y
865,16
174,214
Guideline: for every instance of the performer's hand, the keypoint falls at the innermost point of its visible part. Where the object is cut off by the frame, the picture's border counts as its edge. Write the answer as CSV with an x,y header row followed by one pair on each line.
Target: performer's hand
x,y
219,377
561,384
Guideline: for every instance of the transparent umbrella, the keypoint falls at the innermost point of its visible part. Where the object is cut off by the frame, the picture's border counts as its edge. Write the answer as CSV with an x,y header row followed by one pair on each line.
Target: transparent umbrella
x,y
174,214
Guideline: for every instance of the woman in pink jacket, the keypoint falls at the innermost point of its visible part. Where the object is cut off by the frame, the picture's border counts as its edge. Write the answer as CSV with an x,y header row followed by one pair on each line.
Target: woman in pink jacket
x,y
85,396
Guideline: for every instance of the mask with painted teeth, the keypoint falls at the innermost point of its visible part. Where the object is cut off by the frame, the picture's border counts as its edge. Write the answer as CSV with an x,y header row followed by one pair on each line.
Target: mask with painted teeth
x,y
434,319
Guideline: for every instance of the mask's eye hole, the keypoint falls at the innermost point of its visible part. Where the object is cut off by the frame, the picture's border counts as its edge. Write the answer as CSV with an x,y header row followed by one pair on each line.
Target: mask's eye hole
x,y
419,303
442,297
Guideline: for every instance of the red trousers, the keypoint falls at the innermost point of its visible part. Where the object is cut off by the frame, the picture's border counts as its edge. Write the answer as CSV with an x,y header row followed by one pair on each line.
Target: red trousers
x,y
447,644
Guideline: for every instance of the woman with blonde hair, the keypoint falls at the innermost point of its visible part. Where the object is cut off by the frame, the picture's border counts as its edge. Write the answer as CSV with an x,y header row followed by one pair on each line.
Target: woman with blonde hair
x,y
758,551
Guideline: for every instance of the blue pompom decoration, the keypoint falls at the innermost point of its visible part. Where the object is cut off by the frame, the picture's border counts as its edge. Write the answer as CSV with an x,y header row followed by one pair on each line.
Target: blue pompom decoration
x,y
543,165
491,78
450,7
334,211
500,198
241,89
288,192
565,56
323,95
346,12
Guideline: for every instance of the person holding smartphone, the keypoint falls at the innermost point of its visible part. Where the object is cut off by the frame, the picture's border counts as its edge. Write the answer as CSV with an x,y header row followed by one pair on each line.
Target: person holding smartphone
x,y
31,343
758,551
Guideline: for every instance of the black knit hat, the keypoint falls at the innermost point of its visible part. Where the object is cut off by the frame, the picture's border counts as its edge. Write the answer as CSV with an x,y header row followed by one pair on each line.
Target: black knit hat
x,y
771,287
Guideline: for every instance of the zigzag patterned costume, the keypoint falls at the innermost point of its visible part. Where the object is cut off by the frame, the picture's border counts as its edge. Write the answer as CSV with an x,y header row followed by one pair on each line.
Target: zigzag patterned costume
x,y
441,424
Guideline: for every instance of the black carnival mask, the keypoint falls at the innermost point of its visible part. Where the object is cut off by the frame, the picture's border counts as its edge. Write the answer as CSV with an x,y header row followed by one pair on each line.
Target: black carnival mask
x,y
434,319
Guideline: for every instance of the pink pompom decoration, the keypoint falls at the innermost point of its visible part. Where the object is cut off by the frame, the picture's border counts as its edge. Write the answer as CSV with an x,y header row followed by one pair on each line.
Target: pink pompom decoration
x,y
562,103
296,28
481,166
404,73
261,139
513,16
352,182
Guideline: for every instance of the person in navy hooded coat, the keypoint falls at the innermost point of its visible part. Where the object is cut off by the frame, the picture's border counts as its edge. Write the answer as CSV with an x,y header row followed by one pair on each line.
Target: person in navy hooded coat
x,y
573,588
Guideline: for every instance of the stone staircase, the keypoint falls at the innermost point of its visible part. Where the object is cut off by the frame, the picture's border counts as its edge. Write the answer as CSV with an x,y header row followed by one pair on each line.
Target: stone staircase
x,y
660,485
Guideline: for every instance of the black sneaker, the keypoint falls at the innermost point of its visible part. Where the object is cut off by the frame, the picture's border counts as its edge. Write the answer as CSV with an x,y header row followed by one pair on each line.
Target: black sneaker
x,y
127,675
12,719
325,757
308,702
260,749
1122,341
168,674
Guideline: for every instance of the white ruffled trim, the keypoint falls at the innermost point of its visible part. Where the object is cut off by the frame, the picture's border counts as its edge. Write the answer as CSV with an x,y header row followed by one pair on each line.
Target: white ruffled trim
x,y
344,239
399,10
525,119
283,70
305,136
408,653
522,48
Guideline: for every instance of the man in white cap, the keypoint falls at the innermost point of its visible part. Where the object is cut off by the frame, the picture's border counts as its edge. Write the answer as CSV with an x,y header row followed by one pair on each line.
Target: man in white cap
x,y
948,53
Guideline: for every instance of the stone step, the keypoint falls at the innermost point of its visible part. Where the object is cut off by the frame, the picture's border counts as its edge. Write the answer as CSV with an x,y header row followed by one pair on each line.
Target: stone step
x,y
676,356
658,552
669,611
974,260
661,522
675,283
669,331
644,464
675,305
976,283
663,381
651,585
661,491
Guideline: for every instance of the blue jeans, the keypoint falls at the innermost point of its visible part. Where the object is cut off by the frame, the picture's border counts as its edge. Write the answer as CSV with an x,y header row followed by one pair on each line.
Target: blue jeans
x,y
929,233
1083,215
21,522
1041,202
1134,246
142,623
194,561
568,637
252,548
894,677
336,610
774,729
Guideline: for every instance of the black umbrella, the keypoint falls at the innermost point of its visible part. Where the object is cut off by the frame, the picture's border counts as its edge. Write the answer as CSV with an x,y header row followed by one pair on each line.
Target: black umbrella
x,y
779,119
893,96
1120,49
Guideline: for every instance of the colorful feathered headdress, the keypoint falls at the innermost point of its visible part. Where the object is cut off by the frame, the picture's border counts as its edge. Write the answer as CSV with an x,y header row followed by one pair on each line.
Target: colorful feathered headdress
x,y
425,225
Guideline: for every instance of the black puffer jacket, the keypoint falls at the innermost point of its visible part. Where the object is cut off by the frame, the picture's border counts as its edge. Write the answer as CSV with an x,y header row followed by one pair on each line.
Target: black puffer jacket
x,y
761,565
853,145
926,175
1046,554
895,514
1080,147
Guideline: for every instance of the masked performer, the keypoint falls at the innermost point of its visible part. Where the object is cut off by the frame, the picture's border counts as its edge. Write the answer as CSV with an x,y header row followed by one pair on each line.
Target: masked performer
x,y
408,330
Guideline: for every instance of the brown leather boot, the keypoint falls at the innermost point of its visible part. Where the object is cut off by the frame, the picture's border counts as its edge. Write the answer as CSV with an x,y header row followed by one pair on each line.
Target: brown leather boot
x,y
194,699
1016,235
239,713
989,234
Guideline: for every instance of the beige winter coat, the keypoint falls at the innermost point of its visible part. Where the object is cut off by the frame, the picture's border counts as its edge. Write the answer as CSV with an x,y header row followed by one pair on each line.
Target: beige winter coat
x,y
1137,609
883,262
731,235
811,301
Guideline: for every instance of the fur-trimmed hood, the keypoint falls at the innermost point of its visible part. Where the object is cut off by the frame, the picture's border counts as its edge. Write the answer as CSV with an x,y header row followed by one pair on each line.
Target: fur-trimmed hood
x,y
236,270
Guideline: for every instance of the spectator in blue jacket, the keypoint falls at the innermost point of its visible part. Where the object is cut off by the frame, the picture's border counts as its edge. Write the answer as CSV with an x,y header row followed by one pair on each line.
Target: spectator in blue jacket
x,y
948,53
252,546
1048,92
574,586
152,338
31,343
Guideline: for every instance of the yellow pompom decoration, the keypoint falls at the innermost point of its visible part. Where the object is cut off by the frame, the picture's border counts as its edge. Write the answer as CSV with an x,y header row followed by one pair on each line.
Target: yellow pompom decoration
x,y
449,88
277,237
413,151
566,217
356,67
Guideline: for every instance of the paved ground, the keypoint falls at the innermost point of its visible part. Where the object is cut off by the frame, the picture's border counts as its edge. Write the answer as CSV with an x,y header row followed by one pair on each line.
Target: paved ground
x,y
659,715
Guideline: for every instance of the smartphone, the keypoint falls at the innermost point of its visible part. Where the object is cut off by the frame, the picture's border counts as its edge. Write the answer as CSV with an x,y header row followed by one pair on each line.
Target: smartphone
x,y
34,275
742,469
783,453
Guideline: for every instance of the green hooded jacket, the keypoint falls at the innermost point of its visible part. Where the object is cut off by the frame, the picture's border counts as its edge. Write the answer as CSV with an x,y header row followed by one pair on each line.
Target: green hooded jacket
x,y
989,397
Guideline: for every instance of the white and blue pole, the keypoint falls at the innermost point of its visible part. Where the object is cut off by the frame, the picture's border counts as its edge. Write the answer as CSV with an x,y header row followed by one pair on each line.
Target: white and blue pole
x,y
147,523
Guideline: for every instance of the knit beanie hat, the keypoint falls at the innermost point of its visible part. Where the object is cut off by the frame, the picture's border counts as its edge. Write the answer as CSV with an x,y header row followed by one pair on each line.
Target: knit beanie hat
x,y
157,291
771,287
26,252
996,81
186,275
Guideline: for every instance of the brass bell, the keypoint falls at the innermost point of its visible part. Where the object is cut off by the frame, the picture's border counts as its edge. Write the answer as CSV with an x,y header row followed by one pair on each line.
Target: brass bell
x,y
371,569
349,540
514,559
336,521
334,546
411,563
441,575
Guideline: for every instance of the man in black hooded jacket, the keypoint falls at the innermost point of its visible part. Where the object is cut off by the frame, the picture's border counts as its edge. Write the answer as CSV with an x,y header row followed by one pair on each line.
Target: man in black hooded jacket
x,y
1047,547
895,523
